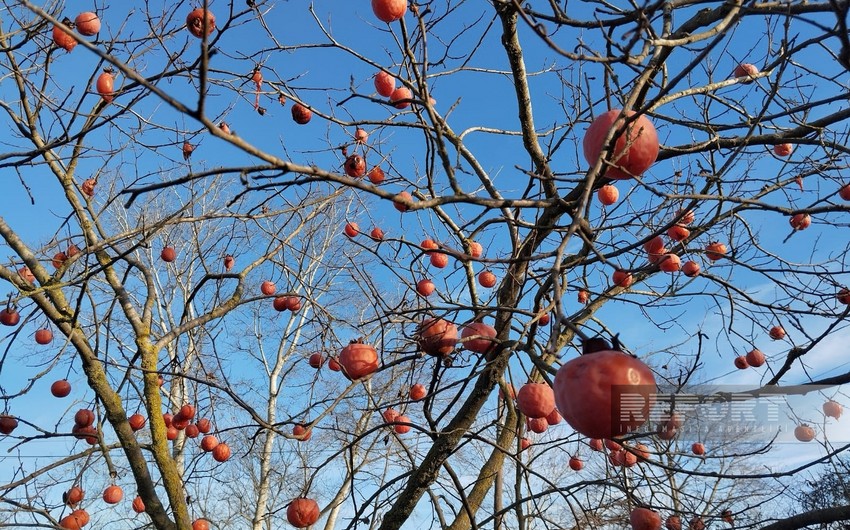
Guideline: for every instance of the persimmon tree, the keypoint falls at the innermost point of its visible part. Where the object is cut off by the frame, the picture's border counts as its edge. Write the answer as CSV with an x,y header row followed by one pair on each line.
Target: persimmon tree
x,y
287,216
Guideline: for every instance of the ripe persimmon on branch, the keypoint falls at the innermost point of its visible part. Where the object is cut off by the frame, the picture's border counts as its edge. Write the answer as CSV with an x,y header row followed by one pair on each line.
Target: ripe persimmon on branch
x,y
267,264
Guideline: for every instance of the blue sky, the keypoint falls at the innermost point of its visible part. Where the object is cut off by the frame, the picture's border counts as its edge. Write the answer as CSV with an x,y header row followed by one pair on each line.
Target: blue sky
x,y
473,98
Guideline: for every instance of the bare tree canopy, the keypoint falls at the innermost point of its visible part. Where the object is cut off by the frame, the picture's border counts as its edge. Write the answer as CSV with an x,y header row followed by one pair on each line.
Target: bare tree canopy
x,y
456,265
